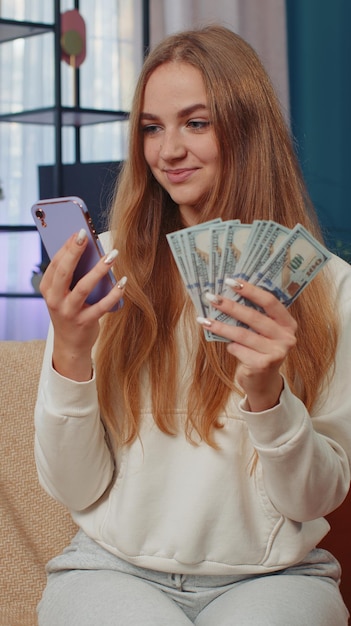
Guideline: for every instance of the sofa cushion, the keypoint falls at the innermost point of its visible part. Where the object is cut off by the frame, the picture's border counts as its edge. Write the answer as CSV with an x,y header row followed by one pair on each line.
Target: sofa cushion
x,y
33,526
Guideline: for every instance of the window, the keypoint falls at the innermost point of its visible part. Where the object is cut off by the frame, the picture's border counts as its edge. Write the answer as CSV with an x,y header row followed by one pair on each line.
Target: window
x,y
106,78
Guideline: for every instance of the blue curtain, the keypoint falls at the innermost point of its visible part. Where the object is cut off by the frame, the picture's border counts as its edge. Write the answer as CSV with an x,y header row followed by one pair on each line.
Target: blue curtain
x,y
319,50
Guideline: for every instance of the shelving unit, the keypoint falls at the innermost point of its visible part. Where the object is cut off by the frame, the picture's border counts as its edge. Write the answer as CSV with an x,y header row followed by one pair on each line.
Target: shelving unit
x,y
58,115
10,30
71,116
13,29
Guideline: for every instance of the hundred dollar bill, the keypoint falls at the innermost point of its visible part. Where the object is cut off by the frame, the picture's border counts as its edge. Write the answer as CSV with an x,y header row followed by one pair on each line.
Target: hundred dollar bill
x,y
289,270
269,240
175,244
258,228
180,255
190,249
217,249
274,241
235,244
261,249
197,243
297,261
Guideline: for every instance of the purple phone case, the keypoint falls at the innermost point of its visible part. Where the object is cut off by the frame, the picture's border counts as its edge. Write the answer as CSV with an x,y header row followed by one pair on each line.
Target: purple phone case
x,y
61,217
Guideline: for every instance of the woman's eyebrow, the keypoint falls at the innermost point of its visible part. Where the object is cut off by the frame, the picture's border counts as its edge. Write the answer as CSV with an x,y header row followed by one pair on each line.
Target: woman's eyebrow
x,y
182,113
147,116
192,109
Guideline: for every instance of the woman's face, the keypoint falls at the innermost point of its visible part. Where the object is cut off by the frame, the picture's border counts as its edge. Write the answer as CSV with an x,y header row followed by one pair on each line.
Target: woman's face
x,y
180,146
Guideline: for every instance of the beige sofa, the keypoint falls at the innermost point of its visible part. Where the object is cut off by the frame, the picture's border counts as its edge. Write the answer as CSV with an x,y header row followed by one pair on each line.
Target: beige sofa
x,y
34,527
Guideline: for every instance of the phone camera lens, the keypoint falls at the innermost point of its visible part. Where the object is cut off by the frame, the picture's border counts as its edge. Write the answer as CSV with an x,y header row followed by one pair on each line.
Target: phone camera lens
x,y
40,214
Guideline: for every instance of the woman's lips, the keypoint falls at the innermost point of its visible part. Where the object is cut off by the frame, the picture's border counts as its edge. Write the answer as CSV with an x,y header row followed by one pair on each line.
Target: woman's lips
x,y
179,175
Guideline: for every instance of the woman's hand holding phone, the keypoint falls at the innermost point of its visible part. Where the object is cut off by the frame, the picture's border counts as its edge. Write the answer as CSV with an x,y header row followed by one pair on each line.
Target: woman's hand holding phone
x,y
76,323
78,285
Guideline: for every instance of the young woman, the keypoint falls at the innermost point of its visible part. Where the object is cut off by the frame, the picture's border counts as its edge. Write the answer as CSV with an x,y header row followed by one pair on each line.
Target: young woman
x,y
199,473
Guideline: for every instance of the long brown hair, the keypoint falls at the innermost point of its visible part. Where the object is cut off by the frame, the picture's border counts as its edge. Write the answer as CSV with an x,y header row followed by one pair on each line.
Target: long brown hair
x,y
259,178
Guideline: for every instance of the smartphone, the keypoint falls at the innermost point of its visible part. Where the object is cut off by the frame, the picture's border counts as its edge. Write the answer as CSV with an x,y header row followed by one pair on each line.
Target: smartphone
x,y
56,220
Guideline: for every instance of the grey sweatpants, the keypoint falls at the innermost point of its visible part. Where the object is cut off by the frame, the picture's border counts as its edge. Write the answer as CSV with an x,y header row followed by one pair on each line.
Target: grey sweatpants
x,y
88,586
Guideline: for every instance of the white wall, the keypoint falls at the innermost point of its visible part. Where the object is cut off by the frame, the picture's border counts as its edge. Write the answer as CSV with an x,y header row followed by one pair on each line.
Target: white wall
x,y
260,22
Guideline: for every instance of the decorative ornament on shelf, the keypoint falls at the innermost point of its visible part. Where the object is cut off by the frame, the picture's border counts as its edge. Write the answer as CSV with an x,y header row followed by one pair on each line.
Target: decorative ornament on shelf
x,y
73,42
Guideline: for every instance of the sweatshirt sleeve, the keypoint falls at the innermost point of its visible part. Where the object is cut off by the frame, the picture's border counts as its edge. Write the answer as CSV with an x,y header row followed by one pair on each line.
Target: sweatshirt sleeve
x,y
306,458
73,458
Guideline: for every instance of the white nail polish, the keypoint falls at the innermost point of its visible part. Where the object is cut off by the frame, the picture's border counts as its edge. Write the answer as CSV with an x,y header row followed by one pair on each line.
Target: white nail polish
x,y
122,282
81,236
235,284
204,321
211,297
111,257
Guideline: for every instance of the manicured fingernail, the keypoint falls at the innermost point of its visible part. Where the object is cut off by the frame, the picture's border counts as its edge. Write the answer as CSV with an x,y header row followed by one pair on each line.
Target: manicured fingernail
x,y
81,236
122,282
111,257
211,297
204,321
235,284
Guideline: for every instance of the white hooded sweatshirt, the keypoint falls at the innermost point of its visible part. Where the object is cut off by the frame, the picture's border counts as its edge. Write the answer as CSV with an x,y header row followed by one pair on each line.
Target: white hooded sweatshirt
x,y
166,504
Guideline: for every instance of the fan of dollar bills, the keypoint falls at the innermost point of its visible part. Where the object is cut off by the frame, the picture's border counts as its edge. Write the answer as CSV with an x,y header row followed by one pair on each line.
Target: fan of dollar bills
x,y
264,253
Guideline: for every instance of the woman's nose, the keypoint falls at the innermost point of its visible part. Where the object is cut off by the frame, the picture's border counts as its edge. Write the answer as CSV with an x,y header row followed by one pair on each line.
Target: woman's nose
x,y
172,146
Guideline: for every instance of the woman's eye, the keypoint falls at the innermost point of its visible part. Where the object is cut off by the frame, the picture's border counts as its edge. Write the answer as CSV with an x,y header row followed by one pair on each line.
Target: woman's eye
x,y
199,124
150,129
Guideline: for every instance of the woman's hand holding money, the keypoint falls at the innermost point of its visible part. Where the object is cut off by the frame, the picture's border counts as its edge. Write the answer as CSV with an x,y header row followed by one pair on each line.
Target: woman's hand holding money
x,y
260,353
